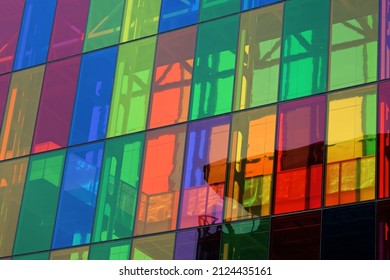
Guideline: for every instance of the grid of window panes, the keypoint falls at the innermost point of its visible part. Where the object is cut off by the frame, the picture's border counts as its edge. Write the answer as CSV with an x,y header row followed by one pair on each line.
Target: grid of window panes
x,y
194,129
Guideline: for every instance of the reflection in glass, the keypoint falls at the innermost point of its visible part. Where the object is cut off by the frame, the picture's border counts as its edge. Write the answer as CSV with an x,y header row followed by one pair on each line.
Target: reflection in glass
x,y
251,161
156,247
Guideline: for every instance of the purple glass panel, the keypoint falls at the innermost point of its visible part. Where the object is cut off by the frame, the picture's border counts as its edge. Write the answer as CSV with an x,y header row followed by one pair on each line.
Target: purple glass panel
x,y
198,244
56,106
68,29
204,172
384,60
10,17
4,84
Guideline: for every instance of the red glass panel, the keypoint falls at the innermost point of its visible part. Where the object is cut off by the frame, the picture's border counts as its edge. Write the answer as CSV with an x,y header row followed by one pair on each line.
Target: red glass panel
x,y
384,140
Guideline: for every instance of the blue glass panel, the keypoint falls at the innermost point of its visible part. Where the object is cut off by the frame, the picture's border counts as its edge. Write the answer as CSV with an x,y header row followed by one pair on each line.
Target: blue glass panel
x,y
77,202
93,96
178,13
250,4
35,33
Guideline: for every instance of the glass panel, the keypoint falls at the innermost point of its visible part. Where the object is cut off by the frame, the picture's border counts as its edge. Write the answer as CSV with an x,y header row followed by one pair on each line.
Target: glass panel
x,y
351,146
35,33
140,19
172,77
202,243
384,140
348,233
245,240
93,97
104,24
215,61
383,230
258,60
36,256
79,253
210,9
178,13
68,29
134,70
40,198
250,4
384,59
117,250
156,247
204,172
79,189
4,84
305,48
300,155
296,237
354,35
158,201
251,162
115,213
10,17
56,105
20,113
12,178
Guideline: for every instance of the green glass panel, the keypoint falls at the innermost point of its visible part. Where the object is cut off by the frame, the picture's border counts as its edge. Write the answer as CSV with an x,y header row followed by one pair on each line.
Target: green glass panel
x,y
353,58
215,60
245,240
38,211
155,247
36,256
76,253
305,48
12,177
257,76
118,189
210,9
130,100
118,250
140,19
104,24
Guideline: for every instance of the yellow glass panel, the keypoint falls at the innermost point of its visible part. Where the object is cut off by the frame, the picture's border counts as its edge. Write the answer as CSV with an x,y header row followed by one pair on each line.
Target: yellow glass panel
x,y
79,253
20,113
12,178
351,146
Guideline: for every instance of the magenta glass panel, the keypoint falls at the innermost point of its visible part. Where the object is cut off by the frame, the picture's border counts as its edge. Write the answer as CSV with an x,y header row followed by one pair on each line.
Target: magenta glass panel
x,y
384,140
4,84
10,17
384,60
68,29
204,178
56,105
300,149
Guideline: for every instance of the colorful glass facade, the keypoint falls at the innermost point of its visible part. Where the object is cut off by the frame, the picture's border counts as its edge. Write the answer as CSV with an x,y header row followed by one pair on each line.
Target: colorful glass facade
x,y
198,129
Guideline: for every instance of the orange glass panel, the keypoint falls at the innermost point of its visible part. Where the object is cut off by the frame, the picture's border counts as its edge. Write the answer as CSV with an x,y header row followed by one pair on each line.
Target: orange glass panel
x,y
20,113
172,79
351,146
12,178
251,162
160,185
300,149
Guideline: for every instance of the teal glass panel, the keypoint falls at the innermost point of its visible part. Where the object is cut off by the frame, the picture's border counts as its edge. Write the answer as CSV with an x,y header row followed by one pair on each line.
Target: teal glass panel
x,y
38,211
215,61
305,48
210,9
117,200
117,250
104,24
245,240
36,256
